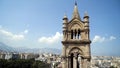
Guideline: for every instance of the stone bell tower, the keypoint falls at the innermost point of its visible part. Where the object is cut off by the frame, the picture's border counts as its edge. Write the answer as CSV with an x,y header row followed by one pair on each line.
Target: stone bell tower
x,y
76,41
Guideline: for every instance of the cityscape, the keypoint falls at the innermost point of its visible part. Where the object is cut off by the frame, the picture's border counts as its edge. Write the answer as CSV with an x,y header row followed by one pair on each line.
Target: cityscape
x,y
55,59
59,34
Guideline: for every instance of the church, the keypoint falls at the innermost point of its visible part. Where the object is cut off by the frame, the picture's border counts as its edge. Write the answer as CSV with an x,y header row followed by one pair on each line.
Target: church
x,y
76,41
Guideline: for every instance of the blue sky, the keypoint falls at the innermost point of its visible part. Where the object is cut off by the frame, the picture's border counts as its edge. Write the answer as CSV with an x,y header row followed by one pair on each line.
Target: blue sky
x,y
38,23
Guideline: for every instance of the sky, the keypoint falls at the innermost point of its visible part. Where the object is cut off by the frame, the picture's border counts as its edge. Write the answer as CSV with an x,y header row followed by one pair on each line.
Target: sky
x,y
38,23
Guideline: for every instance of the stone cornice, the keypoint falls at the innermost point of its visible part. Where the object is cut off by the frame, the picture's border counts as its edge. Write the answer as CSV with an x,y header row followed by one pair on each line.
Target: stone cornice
x,y
74,41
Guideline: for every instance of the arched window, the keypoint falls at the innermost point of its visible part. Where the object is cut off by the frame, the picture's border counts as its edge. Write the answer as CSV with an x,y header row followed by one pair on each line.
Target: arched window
x,y
71,34
75,34
79,34
71,58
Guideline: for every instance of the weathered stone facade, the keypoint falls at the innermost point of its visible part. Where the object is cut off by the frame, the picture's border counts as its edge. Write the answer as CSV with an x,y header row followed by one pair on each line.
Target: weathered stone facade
x,y
76,42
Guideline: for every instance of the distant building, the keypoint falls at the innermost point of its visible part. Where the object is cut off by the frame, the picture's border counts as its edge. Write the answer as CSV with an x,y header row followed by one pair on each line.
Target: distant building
x,y
22,56
2,55
15,56
8,55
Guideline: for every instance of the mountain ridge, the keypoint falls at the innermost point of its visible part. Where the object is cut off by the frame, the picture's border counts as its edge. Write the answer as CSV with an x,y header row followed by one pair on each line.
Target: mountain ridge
x,y
6,48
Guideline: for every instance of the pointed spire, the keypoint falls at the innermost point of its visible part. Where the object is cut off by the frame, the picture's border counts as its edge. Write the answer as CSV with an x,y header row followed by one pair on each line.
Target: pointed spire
x,y
75,12
75,2
65,16
86,13
86,17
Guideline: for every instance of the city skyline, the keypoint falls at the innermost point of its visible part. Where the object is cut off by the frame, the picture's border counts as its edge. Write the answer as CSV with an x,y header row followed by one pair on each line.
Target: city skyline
x,y
38,23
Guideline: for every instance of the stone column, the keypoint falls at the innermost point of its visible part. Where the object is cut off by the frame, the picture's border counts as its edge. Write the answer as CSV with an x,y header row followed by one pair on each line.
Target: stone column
x,y
88,64
63,64
63,58
63,51
75,60
79,61
85,63
77,35
69,62
69,36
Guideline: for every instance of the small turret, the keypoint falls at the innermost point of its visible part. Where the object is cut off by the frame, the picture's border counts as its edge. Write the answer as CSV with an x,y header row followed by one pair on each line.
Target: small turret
x,y
86,20
86,24
86,17
65,22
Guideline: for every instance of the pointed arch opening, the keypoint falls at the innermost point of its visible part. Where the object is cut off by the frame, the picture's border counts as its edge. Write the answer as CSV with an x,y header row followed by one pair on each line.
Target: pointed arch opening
x,y
75,58
75,34
71,34
79,35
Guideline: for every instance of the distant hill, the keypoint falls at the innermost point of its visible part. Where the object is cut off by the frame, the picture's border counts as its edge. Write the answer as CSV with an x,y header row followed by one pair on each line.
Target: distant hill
x,y
39,50
6,48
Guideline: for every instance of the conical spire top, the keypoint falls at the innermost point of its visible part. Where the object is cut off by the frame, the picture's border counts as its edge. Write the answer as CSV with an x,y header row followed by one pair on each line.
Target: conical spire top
x,y
65,16
75,12
75,3
86,13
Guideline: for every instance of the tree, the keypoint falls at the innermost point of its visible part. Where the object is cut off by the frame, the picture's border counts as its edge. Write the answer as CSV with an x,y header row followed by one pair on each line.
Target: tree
x,y
21,63
113,67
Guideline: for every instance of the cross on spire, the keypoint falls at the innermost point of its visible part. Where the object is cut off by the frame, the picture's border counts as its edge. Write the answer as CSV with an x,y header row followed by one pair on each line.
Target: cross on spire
x,y
75,2
75,11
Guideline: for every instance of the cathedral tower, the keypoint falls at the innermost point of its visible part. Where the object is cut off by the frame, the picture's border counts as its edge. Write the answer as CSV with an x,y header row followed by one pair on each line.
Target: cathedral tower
x,y
76,42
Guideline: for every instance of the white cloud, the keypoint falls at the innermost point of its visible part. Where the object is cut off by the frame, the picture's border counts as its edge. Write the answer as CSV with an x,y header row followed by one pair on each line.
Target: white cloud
x,y
25,31
50,40
10,36
18,37
100,39
112,38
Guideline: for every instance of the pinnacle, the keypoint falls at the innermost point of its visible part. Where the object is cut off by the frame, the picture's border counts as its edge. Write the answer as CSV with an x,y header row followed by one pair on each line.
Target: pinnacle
x,y
75,12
